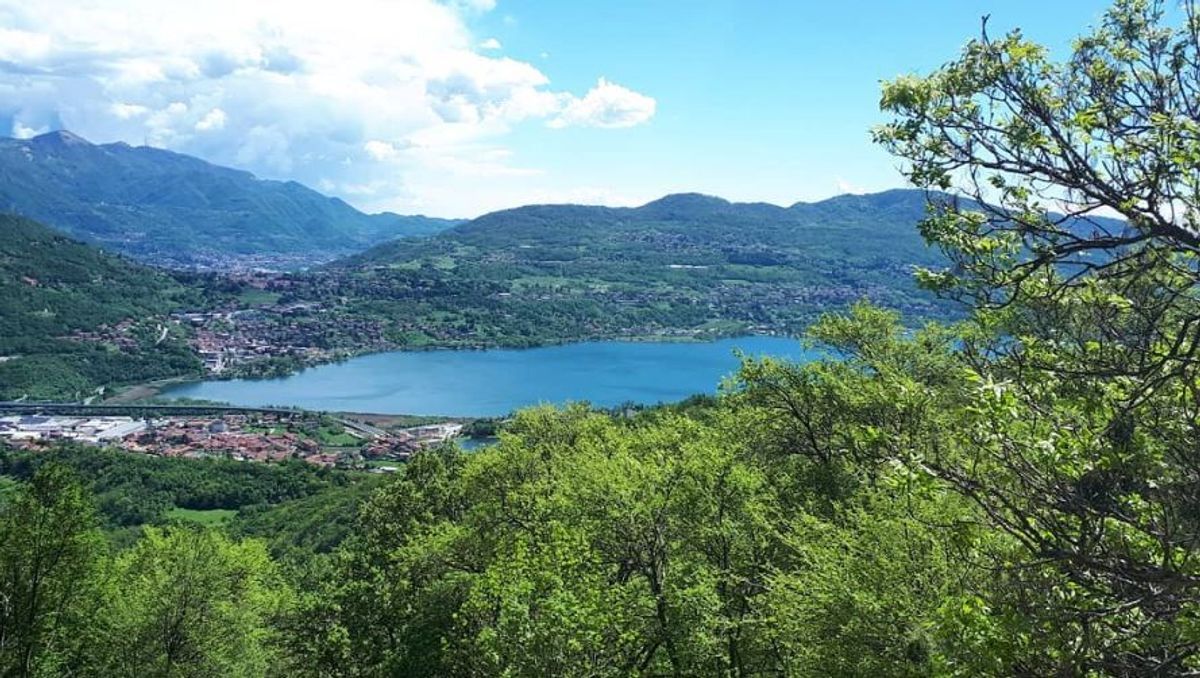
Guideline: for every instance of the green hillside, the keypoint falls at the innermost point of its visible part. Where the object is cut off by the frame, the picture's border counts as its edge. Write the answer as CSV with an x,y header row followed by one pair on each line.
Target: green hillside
x,y
686,265
52,287
848,235
168,208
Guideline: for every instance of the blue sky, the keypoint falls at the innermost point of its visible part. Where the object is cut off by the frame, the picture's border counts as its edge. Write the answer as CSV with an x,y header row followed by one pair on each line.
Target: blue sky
x,y
456,109
756,100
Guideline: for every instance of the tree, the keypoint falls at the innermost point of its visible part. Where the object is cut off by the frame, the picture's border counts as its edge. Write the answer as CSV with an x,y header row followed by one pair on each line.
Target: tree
x,y
1042,150
1078,430
660,543
387,607
50,554
190,602
887,565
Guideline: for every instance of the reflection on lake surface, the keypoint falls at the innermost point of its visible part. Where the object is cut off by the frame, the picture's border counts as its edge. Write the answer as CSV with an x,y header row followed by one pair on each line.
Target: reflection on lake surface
x,y
498,381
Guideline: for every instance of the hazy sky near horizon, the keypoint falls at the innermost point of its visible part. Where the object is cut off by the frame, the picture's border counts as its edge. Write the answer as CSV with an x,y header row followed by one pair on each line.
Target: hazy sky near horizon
x,y
462,107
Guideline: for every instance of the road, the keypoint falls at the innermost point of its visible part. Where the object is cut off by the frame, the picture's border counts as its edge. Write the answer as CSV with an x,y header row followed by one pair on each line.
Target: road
x,y
81,408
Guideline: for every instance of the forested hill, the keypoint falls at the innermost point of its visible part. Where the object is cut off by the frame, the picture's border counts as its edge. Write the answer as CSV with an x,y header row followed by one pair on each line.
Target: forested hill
x,y
165,207
52,288
698,262
694,229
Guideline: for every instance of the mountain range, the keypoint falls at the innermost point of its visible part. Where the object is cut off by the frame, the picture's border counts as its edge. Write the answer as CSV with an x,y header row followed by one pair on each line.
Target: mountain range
x,y
689,229
686,265
171,209
795,261
176,210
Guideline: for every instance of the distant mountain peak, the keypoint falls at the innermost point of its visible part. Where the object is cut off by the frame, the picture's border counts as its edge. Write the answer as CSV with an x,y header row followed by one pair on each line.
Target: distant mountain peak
x,y
688,201
171,208
60,137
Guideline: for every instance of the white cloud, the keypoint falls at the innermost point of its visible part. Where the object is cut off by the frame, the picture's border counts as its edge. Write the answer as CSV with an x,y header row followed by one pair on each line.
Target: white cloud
x,y
18,46
20,131
474,5
844,187
607,105
128,111
380,150
386,94
212,121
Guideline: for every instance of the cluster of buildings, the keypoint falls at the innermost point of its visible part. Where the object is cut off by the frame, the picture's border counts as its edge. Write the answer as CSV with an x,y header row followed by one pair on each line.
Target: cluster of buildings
x,y
242,437
403,443
226,338
95,430
304,331
248,266
431,434
230,437
192,437
120,335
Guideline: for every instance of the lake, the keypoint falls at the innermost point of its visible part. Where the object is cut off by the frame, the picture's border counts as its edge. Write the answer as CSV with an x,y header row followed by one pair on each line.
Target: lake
x,y
495,382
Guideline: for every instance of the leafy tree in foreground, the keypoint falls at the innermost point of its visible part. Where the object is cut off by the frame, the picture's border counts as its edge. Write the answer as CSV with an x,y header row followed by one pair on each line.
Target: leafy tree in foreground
x,y
1079,434
659,545
50,554
189,602
181,602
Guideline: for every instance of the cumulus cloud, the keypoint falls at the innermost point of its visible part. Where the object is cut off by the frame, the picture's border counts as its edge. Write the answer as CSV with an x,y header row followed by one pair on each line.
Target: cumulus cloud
x,y
212,121
607,105
128,111
20,131
380,150
305,91
844,187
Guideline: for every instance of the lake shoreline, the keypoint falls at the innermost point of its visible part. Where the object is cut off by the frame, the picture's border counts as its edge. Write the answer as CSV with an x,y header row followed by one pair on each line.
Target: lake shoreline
x,y
494,382
351,354
133,393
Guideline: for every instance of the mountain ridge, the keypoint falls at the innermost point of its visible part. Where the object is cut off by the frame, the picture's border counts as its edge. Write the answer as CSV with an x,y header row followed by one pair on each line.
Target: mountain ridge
x,y
170,208
725,223
684,265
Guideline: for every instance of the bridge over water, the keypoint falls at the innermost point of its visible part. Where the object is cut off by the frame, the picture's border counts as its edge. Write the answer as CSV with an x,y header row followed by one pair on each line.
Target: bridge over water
x,y
25,407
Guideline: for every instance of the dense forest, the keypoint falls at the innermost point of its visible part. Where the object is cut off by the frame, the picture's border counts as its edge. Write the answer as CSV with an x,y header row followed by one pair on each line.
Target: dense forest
x,y
1013,493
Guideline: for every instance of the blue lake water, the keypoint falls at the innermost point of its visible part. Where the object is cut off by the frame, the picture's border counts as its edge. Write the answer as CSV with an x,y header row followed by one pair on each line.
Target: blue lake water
x,y
496,382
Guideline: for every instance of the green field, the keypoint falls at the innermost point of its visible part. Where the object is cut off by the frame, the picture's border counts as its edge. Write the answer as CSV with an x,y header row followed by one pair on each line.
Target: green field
x,y
253,296
209,517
